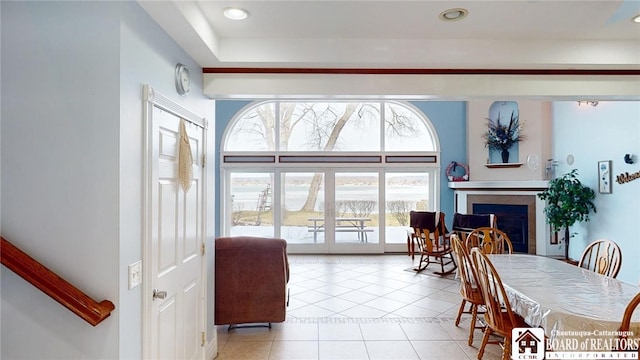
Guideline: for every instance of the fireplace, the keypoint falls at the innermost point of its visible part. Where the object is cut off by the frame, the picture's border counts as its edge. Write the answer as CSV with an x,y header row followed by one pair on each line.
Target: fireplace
x,y
512,219
519,211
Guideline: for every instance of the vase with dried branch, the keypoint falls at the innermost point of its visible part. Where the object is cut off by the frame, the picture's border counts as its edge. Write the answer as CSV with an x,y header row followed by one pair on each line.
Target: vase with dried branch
x,y
502,136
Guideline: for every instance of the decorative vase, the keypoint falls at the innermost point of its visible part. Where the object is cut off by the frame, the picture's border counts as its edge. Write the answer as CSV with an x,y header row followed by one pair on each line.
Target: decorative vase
x,y
505,156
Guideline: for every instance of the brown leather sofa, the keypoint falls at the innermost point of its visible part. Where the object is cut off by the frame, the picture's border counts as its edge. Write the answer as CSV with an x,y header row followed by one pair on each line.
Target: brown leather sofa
x,y
251,276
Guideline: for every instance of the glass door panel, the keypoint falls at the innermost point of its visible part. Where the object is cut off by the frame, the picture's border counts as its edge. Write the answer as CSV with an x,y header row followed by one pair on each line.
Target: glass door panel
x,y
302,208
356,210
403,192
328,211
251,204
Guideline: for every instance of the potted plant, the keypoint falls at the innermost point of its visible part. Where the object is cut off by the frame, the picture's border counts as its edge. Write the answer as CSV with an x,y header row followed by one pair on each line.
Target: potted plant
x,y
568,202
501,137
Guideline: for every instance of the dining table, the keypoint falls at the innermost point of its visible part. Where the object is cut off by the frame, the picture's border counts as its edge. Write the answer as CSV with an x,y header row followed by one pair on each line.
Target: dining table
x,y
563,298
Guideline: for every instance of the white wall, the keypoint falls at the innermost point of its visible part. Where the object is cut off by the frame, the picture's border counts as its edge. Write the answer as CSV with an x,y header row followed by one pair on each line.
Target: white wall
x,y
0,136
535,117
606,132
60,172
149,56
72,76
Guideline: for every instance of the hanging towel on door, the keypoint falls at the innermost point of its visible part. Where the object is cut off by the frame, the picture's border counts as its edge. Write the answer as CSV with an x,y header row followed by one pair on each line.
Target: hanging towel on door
x,y
185,159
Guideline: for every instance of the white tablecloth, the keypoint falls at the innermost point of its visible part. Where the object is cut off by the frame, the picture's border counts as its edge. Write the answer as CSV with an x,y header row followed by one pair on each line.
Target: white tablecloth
x,y
558,296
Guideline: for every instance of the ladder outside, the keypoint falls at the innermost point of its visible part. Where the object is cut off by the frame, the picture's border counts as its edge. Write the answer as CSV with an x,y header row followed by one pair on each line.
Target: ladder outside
x,y
264,203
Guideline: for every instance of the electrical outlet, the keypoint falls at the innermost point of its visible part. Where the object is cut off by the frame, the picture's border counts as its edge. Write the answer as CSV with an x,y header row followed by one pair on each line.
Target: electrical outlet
x,y
135,274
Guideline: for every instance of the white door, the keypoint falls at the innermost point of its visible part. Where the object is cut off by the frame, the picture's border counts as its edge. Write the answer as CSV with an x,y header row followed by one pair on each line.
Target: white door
x,y
176,291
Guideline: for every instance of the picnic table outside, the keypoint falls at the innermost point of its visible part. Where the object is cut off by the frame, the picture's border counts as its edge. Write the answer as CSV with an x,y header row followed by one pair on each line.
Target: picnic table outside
x,y
343,224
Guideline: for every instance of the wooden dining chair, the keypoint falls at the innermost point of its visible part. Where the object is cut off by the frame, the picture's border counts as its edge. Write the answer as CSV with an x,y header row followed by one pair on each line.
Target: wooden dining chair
x,y
625,326
602,256
469,286
490,241
499,316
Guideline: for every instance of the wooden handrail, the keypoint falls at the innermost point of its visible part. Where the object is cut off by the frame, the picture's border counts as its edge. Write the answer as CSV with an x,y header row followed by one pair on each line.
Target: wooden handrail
x,y
53,285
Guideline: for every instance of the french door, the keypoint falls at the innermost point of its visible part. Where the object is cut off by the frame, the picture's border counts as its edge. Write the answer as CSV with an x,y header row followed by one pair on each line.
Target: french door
x,y
333,210
324,211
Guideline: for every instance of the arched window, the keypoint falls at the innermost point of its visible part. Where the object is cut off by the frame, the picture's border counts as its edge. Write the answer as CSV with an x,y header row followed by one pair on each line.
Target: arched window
x,y
328,176
330,127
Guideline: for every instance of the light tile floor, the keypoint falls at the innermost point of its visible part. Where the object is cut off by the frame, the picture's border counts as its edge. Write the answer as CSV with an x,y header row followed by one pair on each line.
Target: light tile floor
x,y
361,307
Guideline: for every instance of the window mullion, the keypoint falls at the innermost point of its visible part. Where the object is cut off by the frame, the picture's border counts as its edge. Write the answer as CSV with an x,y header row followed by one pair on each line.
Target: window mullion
x,y
383,110
276,127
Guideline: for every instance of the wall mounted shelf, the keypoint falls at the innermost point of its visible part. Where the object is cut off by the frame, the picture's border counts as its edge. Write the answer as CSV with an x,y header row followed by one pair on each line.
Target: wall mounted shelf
x,y
503,165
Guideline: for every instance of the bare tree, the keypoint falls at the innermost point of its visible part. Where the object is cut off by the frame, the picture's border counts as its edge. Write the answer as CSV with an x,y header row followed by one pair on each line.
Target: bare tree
x,y
399,123
399,209
357,208
314,188
326,121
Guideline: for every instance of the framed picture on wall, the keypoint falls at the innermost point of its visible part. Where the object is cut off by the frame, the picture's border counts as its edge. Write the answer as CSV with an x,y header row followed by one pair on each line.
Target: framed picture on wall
x,y
604,177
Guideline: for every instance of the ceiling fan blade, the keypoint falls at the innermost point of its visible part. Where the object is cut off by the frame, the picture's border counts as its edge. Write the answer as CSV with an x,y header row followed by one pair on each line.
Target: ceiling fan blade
x,y
626,10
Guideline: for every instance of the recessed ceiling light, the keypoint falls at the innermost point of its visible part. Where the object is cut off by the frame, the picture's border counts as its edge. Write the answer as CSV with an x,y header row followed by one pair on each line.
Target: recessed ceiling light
x,y
235,13
453,14
636,19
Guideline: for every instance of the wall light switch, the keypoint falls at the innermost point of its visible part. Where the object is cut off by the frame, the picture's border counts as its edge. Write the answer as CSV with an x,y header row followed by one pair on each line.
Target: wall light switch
x,y
135,274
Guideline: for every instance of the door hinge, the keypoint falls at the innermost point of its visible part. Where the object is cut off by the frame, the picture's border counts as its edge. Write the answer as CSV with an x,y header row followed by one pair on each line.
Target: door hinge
x,y
204,160
203,340
202,249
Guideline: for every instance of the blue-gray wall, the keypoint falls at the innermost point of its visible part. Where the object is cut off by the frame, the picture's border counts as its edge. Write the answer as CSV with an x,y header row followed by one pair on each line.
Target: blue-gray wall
x,y
605,132
447,117
60,171
72,165
225,111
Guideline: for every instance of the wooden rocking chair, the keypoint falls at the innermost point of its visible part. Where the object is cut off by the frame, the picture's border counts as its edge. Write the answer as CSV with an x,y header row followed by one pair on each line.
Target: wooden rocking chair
x,y
429,237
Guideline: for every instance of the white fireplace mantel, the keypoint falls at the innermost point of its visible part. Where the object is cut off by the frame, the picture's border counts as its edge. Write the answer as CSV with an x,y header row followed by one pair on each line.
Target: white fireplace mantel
x,y
500,185
465,189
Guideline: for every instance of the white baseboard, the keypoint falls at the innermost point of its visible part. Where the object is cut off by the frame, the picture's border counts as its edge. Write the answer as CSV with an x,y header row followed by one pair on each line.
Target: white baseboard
x,y
211,349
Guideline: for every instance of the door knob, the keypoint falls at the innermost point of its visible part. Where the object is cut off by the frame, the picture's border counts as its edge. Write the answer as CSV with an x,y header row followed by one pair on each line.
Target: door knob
x,y
159,294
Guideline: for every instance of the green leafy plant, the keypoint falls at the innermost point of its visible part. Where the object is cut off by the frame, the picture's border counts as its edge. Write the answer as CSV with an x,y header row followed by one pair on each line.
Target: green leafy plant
x,y
568,202
503,136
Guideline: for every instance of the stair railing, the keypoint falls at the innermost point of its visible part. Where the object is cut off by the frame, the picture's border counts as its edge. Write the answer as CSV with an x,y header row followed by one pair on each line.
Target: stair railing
x,y
53,285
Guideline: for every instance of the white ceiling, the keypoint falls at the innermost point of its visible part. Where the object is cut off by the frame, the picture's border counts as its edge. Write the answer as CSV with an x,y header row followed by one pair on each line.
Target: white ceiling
x,y
516,34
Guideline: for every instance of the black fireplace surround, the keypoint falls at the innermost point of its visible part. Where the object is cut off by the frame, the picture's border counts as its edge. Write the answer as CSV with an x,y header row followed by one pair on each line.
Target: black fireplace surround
x,y
512,219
